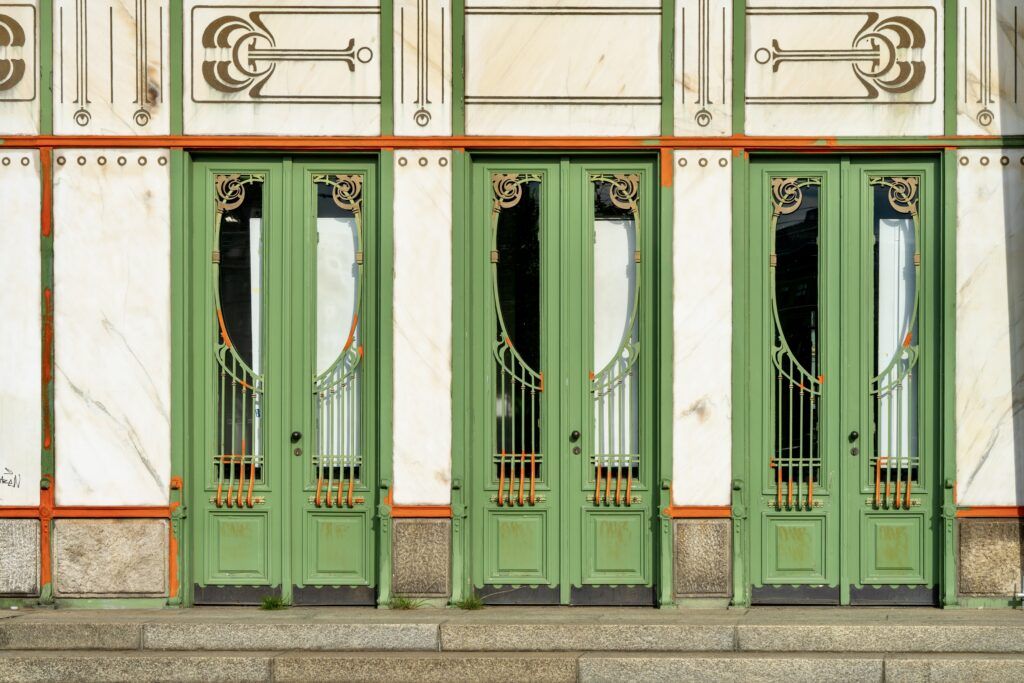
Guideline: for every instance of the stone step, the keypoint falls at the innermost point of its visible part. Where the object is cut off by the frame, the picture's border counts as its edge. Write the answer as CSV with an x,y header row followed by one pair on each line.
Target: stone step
x,y
424,667
508,632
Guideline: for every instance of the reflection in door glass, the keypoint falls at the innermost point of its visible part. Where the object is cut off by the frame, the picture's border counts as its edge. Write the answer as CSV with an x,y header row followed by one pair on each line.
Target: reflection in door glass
x,y
894,385
237,268
339,350
516,261
796,395
614,386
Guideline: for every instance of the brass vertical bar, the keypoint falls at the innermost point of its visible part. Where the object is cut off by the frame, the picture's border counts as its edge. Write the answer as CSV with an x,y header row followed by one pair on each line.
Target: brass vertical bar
x,y
800,448
878,477
597,480
899,439
220,482
789,444
522,475
629,481
522,433
618,481
608,481
533,446
241,462
501,478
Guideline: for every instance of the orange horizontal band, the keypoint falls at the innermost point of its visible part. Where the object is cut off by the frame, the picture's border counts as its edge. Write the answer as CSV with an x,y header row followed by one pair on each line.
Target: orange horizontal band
x,y
991,511
411,511
470,142
90,512
698,511
19,512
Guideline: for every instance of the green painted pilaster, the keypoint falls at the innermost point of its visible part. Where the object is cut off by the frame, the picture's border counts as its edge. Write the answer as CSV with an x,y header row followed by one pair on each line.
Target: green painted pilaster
x,y
385,373
48,455
948,360
387,70
664,331
176,30
180,368
458,67
739,65
667,66
949,64
741,413
46,67
461,583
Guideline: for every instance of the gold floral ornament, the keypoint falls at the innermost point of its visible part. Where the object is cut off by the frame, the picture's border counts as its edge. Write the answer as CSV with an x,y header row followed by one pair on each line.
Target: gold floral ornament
x,y
788,193
508,188
346,190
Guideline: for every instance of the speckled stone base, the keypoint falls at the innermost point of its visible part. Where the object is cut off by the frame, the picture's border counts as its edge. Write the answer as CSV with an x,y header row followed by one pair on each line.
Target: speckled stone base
x,y
421,558
703,558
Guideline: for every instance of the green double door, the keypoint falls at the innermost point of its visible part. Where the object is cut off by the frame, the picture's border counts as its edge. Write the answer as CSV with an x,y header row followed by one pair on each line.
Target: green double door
x,y
562,500
283,339
844,327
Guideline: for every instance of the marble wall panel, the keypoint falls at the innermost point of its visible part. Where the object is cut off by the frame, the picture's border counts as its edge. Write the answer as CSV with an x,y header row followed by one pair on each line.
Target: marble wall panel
x,y
990,327
19,68
423,67
20,356
112,70
112,320
282,68
990,67
702,344
855,67
546,67
422,324
703,68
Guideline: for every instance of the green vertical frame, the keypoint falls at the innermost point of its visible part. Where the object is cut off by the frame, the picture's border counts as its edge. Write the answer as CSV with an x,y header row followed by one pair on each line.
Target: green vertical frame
x,y
387,70
663,327
949,65
181,369
668,13
739,66
176,34
947,410
458,67
462,586
742,415
45,67
383,281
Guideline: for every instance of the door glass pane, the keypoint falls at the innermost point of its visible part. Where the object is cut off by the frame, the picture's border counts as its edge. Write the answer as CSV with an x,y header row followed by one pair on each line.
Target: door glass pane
x,y
238,267
516,262
894,385
339,350
796,394
614,385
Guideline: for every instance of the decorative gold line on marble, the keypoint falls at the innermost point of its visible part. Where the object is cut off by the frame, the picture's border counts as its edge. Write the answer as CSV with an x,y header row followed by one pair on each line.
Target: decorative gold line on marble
x,y
12,35
889,45
255,54
422,115
82,115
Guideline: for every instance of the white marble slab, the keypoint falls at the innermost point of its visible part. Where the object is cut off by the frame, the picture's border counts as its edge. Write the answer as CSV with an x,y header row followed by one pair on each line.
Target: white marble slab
x,y
547,68
422,320
112,67
19,64
423,67
990,327
20,345
242,75
990,67
702,344
703,67
112,326
855,67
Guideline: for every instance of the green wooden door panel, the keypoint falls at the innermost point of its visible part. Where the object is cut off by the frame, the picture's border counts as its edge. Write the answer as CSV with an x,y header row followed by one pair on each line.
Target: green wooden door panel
x,y
616,547
239,548
264,517
557,253
518,551
843,273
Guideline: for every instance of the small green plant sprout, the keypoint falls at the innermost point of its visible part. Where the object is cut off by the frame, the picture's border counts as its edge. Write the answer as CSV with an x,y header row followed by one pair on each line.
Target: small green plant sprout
x,y
272,602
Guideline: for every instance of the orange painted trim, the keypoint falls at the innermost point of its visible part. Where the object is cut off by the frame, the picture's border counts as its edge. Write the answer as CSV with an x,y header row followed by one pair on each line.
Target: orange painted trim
x,y
19,513
45,518
84,512
417,511
698,511
999,511
267,142
666,168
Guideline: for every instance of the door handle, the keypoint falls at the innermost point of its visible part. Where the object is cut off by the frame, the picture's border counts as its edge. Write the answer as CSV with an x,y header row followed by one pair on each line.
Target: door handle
x,y
296,435
575,436
854,435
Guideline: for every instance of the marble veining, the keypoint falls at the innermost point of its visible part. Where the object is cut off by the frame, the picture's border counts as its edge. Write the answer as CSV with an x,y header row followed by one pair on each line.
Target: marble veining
x,y
19,64
990,327
852,68
990,67
422,324
536,68
703,67
20,301
282,68
702,315
111,213
111,67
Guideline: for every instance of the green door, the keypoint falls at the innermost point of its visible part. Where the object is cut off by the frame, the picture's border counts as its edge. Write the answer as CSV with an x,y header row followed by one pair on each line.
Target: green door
x,y
284,483
843,477
561,466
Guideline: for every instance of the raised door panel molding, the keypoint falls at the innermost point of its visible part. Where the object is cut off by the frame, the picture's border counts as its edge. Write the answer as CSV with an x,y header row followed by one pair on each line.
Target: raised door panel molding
x,y
285,68
990,67
990,326
111,72
422,321
703,70
112,326
423,67
544,67
702,310
19,68
20,363
850,68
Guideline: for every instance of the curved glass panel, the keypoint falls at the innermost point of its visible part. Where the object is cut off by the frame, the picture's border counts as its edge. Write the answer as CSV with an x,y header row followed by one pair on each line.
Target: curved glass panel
x,y
795,285
238,301
516,269
339,350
